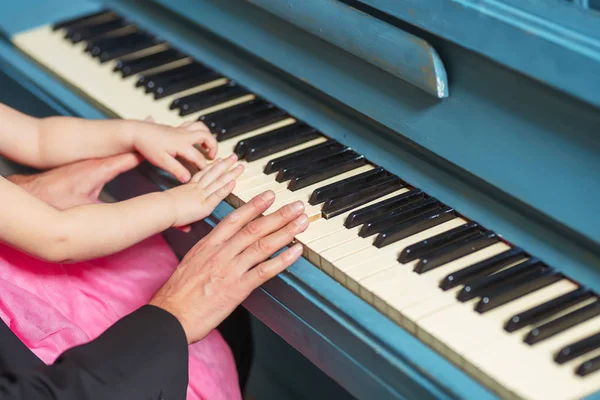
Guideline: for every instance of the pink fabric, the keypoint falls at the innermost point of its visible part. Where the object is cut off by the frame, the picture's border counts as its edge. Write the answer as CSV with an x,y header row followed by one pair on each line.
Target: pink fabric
x,y
52,307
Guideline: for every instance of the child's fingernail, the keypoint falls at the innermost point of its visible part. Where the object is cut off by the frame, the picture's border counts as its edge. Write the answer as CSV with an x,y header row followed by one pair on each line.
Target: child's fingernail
x,y
233,157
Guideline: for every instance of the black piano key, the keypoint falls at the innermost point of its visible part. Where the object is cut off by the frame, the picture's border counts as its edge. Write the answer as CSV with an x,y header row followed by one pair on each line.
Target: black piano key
x,y
264,149
517,289
245,123
348,185
85,19
208,98
546,310
320,174
214,120
138,65
170,87
563,323
365,214
108,49
398,216
298,128
417,224
589,366
455,251
479,286
78,33
482,268
339,205
150,81
273,142
431,244
309,155
298,166
316,165
578,348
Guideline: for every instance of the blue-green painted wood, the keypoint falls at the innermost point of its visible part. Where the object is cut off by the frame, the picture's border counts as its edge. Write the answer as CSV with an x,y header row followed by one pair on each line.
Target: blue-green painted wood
x,y
401,54
401,158
512,132
16,16
549,41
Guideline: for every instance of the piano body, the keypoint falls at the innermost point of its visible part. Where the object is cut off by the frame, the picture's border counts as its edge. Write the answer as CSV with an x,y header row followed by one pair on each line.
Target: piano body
x,y
449,150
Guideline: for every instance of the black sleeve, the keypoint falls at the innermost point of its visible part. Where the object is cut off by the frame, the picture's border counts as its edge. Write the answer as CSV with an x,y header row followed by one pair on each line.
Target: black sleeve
x,y
142,356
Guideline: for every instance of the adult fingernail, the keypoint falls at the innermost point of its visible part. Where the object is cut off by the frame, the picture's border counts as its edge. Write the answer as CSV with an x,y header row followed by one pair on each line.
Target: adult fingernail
x,y
301,221
296,250
297,206
268,195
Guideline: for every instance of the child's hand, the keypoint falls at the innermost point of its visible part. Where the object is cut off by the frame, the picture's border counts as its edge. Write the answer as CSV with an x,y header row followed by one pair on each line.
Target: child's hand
x,y
160,144
198,198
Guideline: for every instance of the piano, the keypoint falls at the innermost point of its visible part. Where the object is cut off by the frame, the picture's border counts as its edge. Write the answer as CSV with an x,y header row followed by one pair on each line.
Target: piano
x,y
448,153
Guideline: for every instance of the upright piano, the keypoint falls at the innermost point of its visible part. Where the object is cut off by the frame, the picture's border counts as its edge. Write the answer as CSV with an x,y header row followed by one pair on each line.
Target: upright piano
x,y
448,152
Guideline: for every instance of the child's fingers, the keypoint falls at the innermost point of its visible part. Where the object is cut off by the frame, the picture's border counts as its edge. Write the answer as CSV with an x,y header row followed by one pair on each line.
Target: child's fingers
x,y
174,167
186,124
208,143
218,170
230,175
194,156
193,126
197,176
185,228
149,119
215,198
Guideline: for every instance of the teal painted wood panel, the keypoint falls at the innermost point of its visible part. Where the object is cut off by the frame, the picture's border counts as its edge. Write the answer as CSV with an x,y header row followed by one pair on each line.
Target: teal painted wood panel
x,y
549,41
399,53
16,16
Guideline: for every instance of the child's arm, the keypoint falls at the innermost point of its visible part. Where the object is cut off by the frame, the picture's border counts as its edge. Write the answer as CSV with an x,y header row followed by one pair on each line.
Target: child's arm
x,y
96,230
50,142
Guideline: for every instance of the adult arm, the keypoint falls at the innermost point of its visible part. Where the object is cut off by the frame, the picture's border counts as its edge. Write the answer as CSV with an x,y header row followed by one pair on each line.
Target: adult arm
x,y
142,356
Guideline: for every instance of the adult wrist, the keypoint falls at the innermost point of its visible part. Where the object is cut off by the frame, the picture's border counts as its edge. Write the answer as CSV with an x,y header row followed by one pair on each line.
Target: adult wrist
x,y
166,305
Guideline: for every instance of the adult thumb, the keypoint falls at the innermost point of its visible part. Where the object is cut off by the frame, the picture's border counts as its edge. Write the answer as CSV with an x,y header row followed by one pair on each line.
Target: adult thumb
x,y
115,165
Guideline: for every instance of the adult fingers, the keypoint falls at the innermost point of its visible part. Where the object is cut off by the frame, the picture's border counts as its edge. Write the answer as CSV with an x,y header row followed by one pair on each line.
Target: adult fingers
x,y
266,246
262,227
116,165
237,219
270,268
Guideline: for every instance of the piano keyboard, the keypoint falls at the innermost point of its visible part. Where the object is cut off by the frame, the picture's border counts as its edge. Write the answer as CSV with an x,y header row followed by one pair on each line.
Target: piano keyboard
x,y
514,323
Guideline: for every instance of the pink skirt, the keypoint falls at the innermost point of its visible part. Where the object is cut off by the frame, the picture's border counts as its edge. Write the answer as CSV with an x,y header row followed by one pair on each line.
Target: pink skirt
x,y
53,307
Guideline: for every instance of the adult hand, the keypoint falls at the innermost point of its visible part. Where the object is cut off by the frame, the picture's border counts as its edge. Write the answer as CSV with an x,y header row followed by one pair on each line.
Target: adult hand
x,y
78,183
223,268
